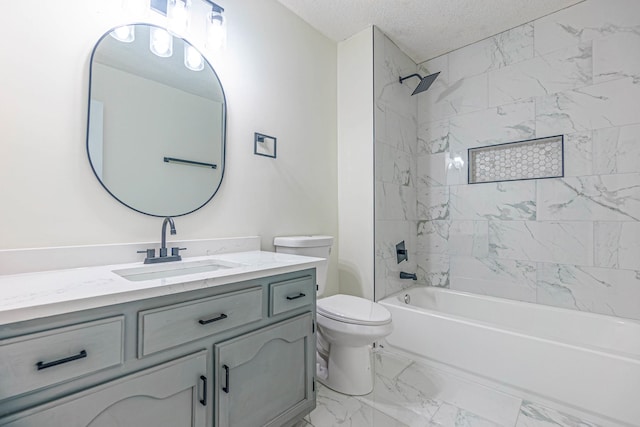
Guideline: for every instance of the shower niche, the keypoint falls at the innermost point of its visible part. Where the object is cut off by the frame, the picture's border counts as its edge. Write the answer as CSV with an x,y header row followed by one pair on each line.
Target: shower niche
x,y
514,161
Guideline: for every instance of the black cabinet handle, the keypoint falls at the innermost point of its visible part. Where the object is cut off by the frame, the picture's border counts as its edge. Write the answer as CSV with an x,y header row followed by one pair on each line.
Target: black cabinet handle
x,y
226,379
300,295
214,319
204,390
45,365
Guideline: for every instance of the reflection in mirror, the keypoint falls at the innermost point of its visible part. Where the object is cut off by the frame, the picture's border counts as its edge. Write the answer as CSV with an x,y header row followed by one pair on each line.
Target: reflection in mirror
x,y
156,127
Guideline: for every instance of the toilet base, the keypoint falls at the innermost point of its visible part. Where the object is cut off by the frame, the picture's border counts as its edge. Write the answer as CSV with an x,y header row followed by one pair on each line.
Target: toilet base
x,y
350,370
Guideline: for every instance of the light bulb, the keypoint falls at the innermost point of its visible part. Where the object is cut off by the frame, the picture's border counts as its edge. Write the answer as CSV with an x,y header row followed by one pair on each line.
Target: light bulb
x,y
216,29
124,34
192,58
178,16
161,42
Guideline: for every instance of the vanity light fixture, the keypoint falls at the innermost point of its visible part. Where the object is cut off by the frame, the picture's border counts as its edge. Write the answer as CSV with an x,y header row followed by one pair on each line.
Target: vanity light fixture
x,y
178,13
192,58
178,16
216,27
161,42
124,34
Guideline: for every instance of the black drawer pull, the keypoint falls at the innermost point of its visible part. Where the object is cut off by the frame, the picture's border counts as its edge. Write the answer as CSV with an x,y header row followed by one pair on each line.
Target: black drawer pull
x,y
43,365
204,390
300,295
214,319
226,379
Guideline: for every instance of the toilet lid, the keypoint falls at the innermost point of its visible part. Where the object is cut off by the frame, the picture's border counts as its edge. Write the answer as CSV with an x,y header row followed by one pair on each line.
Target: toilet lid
x,y
350,309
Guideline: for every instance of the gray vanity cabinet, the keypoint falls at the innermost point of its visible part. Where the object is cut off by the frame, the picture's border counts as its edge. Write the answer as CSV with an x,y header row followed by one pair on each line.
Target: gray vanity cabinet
x,y
237,355
168,395
265,377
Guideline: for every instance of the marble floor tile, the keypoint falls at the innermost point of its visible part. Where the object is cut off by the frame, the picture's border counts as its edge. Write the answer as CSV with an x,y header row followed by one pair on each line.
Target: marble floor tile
x,y
410,394
533,415
394,399
402,403
435,385
451,416
414,393
335,409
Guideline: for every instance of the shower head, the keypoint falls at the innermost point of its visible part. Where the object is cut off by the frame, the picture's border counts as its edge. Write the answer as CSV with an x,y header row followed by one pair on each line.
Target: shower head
x,y
425,82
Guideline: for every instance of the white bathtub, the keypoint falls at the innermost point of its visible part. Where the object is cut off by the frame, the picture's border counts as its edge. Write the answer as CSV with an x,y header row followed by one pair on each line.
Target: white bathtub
x,y
586,360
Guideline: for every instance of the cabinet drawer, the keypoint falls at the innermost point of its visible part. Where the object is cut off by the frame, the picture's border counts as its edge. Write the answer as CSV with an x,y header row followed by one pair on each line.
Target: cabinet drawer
x,y
166,395
39,360
291,294
166,327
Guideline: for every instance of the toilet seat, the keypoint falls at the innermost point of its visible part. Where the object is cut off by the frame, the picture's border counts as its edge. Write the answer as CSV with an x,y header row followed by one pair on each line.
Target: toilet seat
x,y
350,309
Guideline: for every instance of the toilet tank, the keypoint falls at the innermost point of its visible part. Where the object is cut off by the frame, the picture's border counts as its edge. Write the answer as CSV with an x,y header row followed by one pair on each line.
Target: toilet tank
x,y
315,246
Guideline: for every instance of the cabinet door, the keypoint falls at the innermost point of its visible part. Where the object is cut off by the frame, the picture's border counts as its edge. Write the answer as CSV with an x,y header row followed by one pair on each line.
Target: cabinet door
x,y
168,395
265,378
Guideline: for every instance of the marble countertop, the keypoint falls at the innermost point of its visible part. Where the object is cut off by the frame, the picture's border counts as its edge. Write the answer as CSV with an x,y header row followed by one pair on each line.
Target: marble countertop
x,y
35,295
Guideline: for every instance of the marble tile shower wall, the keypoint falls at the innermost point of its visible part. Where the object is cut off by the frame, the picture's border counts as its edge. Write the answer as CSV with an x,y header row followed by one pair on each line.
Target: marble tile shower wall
x,y
395,118
572,242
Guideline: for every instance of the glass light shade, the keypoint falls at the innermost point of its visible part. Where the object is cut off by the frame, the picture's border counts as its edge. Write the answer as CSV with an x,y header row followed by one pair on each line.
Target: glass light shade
x,y
161,42
216,30
178,13
192,58
124,34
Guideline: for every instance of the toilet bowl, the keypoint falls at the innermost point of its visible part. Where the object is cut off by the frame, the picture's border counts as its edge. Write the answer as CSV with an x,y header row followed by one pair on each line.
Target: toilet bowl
x,y
347,325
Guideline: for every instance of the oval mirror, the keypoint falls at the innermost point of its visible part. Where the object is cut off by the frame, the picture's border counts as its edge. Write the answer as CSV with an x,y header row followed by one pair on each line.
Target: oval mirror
x,y
157,119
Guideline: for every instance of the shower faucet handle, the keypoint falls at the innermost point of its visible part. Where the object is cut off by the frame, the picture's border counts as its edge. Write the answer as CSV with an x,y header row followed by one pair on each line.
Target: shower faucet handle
x,y
402,254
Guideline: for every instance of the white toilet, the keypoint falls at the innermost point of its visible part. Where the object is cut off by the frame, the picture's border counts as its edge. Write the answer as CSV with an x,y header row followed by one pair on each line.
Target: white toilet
x,y
347,325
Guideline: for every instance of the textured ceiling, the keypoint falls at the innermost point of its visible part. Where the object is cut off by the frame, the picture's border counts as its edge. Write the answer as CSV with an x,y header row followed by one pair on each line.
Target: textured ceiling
x,y
423,29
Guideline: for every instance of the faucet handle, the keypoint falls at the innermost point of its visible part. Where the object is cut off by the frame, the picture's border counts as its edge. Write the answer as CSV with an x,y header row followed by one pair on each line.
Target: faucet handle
x,y
151,255
175,251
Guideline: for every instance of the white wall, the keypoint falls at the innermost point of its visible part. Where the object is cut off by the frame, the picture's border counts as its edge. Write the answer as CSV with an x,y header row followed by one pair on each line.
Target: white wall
x,y
279,77
355,164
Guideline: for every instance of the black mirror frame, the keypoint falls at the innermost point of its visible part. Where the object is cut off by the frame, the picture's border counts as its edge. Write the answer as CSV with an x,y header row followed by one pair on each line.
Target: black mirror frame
x,y
224,125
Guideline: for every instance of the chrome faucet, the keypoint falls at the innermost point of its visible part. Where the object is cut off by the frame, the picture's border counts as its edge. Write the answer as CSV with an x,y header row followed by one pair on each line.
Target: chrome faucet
x,y
164,256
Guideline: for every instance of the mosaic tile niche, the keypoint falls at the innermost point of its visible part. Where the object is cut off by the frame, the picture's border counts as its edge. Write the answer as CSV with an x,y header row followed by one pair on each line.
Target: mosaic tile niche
x,y
531,159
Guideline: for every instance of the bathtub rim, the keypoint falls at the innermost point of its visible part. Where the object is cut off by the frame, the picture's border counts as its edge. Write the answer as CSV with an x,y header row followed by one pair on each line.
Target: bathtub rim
x,y
395,300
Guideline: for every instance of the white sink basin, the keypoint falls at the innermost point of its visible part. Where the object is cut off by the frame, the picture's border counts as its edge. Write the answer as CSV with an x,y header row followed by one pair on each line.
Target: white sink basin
x,y
173,269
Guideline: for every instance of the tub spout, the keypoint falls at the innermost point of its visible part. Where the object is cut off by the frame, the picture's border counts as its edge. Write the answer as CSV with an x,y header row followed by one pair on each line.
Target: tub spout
x,y
411,276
